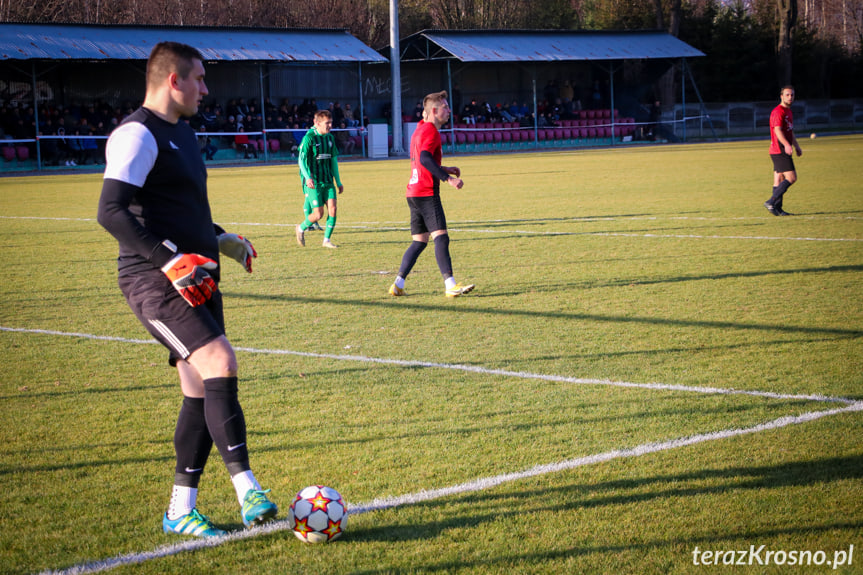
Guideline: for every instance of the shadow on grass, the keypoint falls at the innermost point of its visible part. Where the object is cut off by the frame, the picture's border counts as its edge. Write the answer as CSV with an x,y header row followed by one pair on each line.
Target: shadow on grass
x,y
454,307
737,479
730,541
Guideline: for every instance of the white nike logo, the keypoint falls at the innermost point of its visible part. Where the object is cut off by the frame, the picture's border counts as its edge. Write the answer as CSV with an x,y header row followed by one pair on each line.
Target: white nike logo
x,y
233,447
188,470
173,145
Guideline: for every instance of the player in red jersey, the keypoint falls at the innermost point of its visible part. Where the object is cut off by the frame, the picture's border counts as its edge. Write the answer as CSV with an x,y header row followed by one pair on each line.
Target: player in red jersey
x,y
423,197
782,145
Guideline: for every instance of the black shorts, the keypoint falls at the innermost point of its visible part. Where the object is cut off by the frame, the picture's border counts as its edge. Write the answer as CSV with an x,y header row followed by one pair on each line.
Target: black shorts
x,y
426,215
782,163
169,317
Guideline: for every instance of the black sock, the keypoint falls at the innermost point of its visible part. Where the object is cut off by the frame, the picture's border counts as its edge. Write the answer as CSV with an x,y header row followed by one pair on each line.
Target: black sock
x,y
226,422
441,254
192,442
779,191
410,258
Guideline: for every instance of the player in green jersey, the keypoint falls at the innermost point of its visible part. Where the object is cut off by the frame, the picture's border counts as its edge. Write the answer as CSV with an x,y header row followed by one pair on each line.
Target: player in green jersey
x,y
319,167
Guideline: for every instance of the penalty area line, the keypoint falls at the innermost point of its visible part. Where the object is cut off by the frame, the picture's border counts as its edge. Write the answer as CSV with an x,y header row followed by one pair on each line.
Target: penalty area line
x,y
480,484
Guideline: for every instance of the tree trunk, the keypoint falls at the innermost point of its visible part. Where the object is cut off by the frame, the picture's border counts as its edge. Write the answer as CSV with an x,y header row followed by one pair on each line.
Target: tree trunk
x,y
665,89
787,12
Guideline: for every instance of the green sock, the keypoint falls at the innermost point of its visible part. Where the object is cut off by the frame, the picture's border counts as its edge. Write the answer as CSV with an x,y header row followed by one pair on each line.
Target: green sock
x,y
331,223
305,225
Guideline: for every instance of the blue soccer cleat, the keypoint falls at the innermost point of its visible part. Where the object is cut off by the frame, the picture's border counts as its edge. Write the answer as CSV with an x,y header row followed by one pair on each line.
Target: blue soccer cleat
x,y
257,509
193,523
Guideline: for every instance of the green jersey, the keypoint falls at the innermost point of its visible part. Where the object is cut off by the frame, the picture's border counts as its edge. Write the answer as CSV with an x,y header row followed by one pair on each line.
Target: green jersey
x,y
318,153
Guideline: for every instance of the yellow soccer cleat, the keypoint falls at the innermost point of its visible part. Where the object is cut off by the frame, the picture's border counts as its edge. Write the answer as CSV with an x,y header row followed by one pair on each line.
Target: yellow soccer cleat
x,y
459,289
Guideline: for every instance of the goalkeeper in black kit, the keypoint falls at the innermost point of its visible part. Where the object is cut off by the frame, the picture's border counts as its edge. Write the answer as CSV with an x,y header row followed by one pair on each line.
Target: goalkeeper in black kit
x,y
154,202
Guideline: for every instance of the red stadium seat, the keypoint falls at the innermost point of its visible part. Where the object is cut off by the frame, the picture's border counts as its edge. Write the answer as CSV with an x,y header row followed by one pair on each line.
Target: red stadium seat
x,y
23,152
558,133
506,136
8,153
567,133
591,132
274,145
460,138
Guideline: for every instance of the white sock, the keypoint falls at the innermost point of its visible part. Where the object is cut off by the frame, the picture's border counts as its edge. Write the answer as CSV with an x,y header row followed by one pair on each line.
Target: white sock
x,y
183,500
450,282
400,282
243,482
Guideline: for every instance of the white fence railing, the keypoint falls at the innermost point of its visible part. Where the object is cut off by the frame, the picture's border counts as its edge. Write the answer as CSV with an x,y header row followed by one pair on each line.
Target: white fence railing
x,y
742,118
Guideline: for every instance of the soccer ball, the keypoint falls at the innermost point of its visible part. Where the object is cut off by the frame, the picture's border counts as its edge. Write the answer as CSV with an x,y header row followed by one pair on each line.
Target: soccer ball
x,y
318,514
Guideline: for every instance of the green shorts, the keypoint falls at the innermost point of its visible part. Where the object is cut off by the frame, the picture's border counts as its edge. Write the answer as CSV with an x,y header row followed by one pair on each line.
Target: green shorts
x,y
319,195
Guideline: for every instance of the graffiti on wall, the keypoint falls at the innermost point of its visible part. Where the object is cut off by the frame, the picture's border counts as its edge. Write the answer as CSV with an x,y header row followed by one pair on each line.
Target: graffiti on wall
x,y
13,92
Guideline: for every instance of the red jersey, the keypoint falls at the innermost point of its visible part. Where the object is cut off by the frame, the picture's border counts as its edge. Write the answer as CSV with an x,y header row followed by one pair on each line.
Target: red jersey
x,y
782,117
422,182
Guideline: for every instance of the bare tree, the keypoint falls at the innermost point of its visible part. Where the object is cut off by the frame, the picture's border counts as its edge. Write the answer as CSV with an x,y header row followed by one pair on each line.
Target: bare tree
x,y
787,17
665,85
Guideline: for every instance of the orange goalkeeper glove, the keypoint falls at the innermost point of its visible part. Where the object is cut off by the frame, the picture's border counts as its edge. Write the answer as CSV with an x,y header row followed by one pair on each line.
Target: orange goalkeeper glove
x,y
188,273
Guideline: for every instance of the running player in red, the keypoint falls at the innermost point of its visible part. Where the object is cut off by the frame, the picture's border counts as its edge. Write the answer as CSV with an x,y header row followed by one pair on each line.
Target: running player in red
x,y
423,197
782,144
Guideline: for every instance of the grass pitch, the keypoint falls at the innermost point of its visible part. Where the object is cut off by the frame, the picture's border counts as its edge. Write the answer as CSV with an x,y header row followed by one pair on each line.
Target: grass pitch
x,y
510,430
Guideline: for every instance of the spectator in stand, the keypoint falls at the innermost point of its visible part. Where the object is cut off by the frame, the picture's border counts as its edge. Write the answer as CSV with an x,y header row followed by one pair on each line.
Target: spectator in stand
x,y
556,111
513,110
66,153
89,150
254,124
207,118
218,121
232,109
471,112
286,139
343,141
338,114
76,149
349,117
241,142
49,148
417,114
297,133
207,147
231,125
243,110
485,111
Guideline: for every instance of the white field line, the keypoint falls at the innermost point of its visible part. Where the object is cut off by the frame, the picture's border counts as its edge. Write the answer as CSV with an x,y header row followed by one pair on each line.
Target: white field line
x,y
470,486
467,368
400,227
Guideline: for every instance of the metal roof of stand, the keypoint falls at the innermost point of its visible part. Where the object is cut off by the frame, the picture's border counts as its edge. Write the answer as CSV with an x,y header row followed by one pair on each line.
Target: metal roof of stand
x,y
533,47
543,45
67,42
